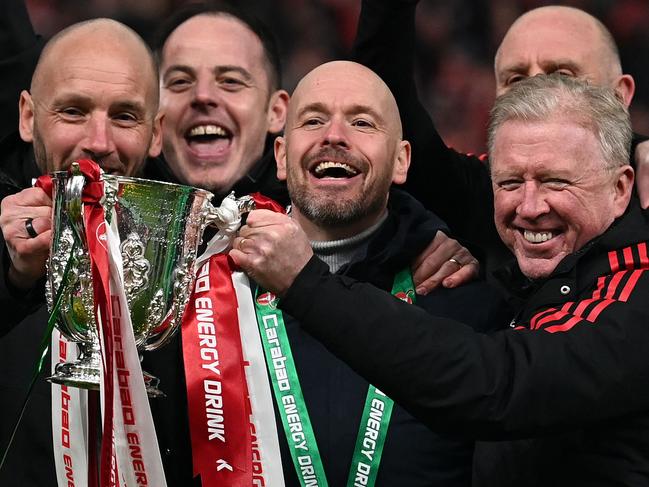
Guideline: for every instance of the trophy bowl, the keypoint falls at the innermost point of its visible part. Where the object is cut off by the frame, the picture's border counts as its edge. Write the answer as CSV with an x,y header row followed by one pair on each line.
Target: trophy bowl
x,y
160,226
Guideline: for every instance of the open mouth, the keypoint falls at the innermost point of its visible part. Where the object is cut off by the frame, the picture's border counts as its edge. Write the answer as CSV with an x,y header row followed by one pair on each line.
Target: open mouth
x,y
207,134
538,237
336,170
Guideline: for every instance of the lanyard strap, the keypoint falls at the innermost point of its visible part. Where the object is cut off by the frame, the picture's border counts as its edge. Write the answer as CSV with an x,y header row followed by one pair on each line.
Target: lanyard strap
x,y
292,408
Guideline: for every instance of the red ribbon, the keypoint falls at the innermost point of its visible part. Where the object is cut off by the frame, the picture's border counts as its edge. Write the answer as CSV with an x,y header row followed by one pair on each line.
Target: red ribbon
x,y
95,233
217,392
265,203
211,319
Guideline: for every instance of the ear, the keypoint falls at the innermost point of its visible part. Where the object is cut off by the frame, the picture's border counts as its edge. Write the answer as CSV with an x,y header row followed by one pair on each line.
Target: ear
x,y
625,86
277,108
623,188
280,157
26,117
401,163
156,136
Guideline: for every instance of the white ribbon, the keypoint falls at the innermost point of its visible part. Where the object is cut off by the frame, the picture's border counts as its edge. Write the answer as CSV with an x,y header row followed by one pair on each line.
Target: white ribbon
x,y
136,443
69,421
267,461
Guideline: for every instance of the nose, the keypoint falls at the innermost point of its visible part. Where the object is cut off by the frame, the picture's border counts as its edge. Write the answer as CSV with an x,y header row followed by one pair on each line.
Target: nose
x,y
533,203
535,70
205,93
99,138
336,134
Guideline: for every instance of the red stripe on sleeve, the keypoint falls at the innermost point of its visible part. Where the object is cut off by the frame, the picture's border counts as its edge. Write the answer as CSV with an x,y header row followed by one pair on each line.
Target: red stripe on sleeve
x,y
612,286
538,316
600,286
612,260
642,251
628,258
579,311
630,284
553,317
565,326
592,316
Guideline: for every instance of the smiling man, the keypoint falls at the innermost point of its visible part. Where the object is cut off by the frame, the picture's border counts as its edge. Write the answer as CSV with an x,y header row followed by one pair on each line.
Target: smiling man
x,y
544,40
221,100
564,390
549,203
94,94
341,151
76,110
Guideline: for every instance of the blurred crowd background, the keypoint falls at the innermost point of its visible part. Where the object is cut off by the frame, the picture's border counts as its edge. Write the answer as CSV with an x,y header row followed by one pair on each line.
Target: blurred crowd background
x,y
456,44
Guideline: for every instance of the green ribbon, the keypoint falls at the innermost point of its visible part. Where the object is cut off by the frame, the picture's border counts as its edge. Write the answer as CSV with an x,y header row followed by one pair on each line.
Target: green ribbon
x,y
43,347
290,402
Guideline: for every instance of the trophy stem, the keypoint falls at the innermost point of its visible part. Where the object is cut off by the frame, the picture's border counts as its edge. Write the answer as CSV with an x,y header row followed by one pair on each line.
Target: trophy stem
x,y
85,372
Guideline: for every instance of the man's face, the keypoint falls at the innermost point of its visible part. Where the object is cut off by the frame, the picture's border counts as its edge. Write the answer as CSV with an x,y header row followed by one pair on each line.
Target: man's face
x,y
342,148
548,41
216,101
93,102
552,191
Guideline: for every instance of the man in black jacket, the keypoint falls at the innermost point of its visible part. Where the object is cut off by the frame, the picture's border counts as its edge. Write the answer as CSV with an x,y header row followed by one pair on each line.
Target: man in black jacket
x,y
341,151
544,40
75,109
571,373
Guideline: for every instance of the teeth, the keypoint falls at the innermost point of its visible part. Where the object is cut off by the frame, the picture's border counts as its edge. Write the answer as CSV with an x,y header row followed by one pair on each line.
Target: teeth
x,y
323,166
207,130
537,237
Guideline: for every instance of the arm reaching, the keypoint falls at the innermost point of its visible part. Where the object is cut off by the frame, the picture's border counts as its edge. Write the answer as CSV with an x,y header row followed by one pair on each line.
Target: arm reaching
x,y
443,262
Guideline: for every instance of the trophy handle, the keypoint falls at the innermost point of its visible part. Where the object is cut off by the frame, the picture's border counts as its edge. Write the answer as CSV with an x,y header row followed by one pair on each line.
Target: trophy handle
x,y
227,217
73,203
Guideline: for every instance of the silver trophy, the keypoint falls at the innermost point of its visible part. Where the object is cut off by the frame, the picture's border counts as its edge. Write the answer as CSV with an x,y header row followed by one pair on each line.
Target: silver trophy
x,y
160,226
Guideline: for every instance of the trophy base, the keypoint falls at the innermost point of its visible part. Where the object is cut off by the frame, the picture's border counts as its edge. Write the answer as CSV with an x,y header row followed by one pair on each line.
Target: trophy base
x,y
79,375
84,377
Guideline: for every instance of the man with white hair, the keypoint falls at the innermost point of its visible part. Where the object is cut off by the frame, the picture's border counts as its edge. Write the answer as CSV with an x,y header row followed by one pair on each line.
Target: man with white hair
x,y
544,40
564,390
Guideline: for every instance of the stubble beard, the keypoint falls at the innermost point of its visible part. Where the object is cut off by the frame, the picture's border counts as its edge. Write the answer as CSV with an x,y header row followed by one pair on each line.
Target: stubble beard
x,y
331,210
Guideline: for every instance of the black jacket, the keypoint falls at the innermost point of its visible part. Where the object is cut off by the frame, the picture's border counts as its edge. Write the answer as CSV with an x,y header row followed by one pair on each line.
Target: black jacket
x,y
335,395
572,375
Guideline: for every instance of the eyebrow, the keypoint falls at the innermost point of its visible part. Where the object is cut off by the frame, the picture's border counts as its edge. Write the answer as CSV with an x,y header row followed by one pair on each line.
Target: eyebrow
x,y
219,70
550,66
88,101
354,110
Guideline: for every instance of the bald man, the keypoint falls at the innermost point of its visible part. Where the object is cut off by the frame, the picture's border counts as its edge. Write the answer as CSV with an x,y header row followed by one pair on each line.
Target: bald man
x,y
342,150
544,40
94,94
77,108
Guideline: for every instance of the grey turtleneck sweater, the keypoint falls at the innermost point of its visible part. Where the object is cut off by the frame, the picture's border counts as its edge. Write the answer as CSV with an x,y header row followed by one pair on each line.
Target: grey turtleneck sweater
x,y
336,253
